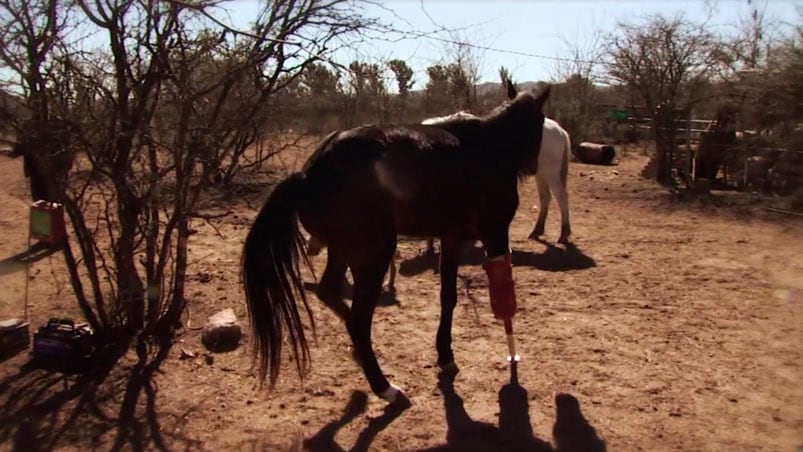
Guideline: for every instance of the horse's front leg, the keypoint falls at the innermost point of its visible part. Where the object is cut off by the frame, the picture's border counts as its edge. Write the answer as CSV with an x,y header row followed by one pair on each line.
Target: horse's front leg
x,y
450,249
498,268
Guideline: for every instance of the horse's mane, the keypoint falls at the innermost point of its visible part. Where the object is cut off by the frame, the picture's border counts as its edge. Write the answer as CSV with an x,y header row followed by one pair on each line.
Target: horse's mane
x,y
523,105
506,118
460,115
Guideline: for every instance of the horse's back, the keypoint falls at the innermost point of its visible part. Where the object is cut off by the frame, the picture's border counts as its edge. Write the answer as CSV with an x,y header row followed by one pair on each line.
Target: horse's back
x,y
407,177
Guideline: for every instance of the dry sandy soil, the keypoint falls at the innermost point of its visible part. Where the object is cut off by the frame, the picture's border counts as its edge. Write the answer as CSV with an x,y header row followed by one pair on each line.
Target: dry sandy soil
x,y
671,326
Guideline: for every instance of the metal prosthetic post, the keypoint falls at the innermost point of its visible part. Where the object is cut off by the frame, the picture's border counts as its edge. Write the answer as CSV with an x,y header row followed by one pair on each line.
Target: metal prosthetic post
x,y
511,342
503,297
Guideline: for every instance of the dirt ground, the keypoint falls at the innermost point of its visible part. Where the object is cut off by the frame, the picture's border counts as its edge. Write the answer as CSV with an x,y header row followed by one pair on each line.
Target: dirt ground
x,y
671,326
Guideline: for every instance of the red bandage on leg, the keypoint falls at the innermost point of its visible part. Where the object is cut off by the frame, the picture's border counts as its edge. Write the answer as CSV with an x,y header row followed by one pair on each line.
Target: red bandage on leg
x,y
501,287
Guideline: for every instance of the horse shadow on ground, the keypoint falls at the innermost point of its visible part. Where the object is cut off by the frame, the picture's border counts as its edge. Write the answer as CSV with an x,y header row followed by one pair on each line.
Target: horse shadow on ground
x,y
553,258
324,440
19,261
571,431
42,408
514,432
472,254
386,298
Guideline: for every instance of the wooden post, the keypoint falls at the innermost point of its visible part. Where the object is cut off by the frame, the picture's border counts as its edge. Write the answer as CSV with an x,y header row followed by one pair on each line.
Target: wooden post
x,y
688,170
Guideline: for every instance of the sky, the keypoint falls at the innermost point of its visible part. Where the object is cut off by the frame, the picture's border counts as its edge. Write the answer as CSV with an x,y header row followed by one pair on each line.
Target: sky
x,y
539,28
525,36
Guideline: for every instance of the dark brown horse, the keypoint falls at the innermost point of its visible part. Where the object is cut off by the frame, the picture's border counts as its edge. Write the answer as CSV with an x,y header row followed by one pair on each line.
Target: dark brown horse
x,y
358,192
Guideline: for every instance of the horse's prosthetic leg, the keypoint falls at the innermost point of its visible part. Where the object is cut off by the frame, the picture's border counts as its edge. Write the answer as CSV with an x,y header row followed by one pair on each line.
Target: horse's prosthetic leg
x,y
503,296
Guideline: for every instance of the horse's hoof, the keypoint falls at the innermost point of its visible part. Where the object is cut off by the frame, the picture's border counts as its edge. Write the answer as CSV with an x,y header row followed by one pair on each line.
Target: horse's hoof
x,y
389,289
564,240
449,368
392,393
535,235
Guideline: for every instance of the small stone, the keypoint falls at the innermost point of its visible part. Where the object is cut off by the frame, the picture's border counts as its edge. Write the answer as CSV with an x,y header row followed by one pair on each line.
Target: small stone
x,y
222,332
323,393
186,354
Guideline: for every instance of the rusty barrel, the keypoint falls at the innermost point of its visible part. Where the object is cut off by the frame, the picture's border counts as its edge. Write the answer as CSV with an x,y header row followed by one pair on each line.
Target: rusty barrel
x,y
594,153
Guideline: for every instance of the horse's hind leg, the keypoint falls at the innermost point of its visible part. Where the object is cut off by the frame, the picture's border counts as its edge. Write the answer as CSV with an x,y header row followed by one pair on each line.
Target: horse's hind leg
x,y
314,246
368,275
562,197
330,288
450,249
391,285
544,198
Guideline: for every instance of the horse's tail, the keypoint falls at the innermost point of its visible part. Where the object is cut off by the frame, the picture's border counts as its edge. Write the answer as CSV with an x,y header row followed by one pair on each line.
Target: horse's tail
x,y
272,279
564,164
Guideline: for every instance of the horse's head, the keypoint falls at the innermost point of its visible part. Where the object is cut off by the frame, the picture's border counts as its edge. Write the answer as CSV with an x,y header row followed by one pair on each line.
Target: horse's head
x,y
527,118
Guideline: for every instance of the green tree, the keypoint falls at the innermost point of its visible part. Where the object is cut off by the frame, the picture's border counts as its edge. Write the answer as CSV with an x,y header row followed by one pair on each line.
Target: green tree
x,y
437,90
321,93
404,82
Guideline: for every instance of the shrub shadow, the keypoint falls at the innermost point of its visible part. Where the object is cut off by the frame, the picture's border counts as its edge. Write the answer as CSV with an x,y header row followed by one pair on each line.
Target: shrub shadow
x,y
42,410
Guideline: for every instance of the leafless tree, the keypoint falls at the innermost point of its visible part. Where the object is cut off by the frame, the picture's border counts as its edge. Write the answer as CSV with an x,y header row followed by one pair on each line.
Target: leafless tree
x,y
665,62
576,76
169,100
172,96
747,57
464,63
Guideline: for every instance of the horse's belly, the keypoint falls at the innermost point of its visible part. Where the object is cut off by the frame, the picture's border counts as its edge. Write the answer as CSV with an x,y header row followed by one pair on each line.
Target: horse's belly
x,y
430,197
433,219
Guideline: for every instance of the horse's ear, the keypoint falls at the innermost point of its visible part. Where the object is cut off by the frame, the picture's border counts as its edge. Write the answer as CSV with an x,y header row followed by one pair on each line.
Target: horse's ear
x,y
542,98
511,89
